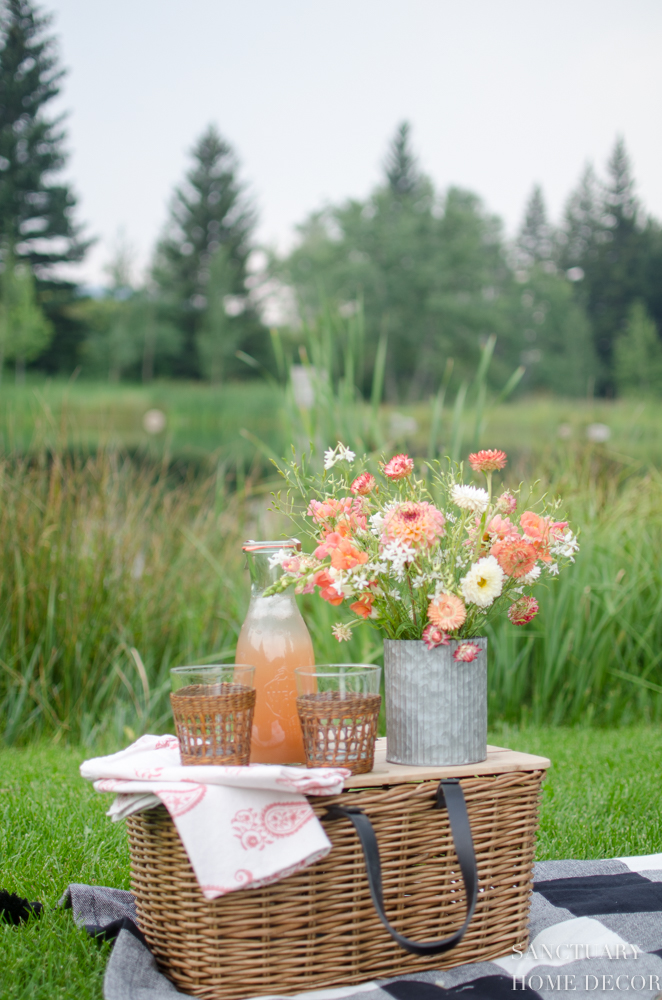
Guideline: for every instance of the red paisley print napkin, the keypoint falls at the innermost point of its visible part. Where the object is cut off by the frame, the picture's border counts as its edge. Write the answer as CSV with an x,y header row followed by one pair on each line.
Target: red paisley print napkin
x,y
240,826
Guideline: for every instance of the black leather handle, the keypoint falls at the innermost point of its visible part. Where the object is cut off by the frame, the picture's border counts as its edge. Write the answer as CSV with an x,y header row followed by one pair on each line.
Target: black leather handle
x,y
450,796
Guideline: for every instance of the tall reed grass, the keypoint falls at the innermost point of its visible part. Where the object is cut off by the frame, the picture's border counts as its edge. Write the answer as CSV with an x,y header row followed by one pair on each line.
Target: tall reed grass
x,y
114,569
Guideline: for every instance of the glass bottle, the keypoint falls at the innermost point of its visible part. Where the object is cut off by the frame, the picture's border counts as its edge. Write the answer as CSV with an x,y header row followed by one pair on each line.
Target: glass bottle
x,y
274,638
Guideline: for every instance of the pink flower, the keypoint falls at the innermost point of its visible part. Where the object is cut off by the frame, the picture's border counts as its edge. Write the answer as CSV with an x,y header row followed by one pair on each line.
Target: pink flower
x,y
488,461
347,513
500,526
522,611
447,612
363,484
515,556
292,564
507,503
466,652
433,636
416,524
399,467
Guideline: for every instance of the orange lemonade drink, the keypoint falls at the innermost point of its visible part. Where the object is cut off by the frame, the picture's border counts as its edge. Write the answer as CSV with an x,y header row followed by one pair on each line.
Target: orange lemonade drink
x,y
274,639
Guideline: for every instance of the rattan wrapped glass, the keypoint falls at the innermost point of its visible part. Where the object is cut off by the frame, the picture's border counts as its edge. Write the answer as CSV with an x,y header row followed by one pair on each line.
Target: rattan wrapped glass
x,y
338,706
213,709
318,928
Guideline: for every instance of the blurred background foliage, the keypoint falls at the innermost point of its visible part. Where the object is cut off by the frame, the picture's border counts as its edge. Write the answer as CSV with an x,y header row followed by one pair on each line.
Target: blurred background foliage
x,y
577,303
139,420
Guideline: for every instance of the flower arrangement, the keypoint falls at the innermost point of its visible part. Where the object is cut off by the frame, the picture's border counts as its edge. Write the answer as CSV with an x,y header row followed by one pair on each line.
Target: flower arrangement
x,y
432,559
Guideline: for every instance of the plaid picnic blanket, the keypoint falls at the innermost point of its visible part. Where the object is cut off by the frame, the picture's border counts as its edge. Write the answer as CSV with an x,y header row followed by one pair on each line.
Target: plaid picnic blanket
x,y
596,931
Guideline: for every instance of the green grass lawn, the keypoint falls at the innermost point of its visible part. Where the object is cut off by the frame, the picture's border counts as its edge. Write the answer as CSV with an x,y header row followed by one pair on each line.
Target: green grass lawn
x,y
602,798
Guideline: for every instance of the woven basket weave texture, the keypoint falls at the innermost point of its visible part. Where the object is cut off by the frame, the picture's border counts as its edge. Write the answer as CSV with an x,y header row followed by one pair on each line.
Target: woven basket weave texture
x,y
318,928
339,730
214,728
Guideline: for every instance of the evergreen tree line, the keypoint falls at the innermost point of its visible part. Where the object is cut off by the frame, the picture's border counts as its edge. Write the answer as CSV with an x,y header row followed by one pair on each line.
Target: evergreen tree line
x,y
578,304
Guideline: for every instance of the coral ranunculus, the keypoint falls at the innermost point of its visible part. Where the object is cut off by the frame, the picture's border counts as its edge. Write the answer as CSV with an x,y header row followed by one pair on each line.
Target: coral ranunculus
x,y
538,531
417,524
345,556
363,484
515,556
327,590
363,606
434,636
523,611
489,460
399,467
447,612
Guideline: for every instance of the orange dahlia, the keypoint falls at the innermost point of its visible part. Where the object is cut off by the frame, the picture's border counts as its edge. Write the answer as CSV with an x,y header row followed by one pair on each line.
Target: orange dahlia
x,y
416,524
515,556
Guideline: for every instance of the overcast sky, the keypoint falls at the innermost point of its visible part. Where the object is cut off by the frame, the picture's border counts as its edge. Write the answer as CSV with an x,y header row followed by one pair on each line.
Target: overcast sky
x,y
501,94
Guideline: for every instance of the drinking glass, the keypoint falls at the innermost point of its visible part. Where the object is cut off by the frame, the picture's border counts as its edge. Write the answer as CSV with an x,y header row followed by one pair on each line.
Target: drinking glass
x,y
338,706
213,708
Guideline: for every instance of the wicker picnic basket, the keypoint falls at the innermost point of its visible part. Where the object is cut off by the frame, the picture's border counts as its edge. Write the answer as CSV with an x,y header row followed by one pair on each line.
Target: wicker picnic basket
x,y
318,928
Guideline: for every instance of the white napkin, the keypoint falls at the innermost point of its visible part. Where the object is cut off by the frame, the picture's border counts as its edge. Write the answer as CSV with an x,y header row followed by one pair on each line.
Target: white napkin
x,y
240,826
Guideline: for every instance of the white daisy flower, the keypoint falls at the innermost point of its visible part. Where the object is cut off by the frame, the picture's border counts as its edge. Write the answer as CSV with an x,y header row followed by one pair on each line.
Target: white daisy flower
x,y
470,498
342,632
483,583
530,577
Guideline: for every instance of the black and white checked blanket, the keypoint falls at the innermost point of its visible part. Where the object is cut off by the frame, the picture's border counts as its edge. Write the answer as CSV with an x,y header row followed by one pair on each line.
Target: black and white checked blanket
x,y
596,931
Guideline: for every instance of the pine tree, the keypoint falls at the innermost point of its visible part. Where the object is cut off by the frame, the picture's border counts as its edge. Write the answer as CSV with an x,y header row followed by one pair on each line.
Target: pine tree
x,y
35,210
208,212
583,227
219,334
606,252
400,165
535,239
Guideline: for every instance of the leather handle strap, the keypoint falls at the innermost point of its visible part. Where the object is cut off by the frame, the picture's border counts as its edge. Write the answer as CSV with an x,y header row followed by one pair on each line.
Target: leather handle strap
x,y
451,797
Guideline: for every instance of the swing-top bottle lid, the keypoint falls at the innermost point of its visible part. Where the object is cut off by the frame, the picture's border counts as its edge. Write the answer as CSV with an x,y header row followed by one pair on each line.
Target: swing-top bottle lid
x,y
288,543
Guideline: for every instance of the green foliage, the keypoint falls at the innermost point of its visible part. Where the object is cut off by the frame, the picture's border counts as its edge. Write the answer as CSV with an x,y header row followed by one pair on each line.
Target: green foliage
x,y
554,334
35,210
638,354
219,334
37,224
535,239
433,277
24,330
209,213
105,588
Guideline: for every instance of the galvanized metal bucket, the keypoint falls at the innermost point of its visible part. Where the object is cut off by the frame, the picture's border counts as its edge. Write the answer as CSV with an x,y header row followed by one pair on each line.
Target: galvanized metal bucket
x,y
436,707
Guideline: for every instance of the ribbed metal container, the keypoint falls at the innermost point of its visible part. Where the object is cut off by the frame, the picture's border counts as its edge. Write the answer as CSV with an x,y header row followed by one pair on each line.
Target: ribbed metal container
x,y
436,707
